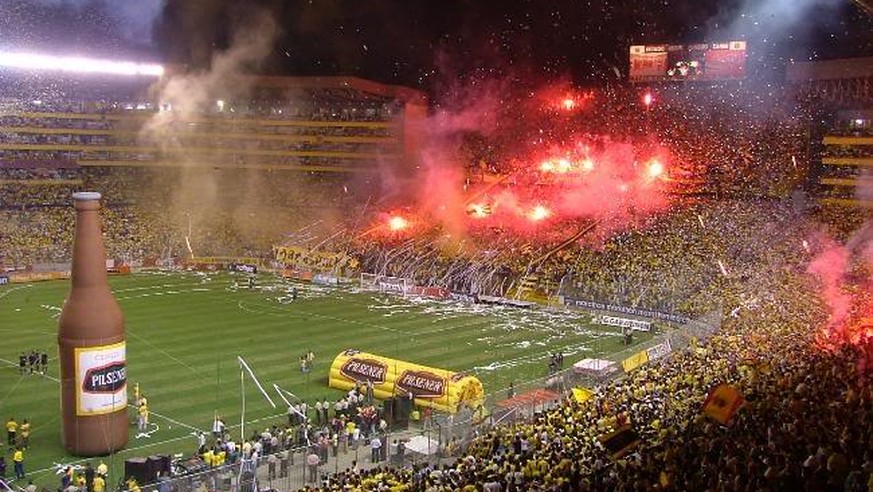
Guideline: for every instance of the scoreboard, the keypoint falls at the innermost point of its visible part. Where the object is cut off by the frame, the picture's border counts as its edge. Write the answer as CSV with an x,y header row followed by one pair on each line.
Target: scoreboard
x,y
704,62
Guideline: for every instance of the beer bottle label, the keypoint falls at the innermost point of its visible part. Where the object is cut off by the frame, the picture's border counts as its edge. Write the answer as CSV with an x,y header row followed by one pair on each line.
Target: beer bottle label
x,y
101,379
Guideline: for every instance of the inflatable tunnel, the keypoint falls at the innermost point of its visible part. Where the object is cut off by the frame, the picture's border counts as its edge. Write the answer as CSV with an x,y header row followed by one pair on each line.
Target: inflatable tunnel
x,y
440,389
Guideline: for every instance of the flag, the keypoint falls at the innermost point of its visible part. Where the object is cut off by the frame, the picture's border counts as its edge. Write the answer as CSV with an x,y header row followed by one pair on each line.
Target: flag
x,y
722,403
582,394
620,442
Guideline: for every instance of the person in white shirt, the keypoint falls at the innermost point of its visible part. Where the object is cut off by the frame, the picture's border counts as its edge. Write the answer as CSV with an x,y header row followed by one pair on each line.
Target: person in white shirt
x,y
325,409
201,442
217,427
318,412
356,437
375,449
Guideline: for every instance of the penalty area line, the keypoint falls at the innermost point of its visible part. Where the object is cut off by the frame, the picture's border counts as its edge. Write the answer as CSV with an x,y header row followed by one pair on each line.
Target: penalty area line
x,y
169,419
131,405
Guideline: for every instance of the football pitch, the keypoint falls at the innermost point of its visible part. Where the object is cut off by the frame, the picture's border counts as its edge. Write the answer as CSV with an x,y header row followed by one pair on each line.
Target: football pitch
x,y
186,329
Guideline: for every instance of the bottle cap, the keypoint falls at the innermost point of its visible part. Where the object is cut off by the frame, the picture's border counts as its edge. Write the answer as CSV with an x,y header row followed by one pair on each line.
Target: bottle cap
x,y
86,196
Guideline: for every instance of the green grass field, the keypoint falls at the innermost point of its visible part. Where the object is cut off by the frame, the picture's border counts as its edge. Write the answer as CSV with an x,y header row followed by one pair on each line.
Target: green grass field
x,y
185,330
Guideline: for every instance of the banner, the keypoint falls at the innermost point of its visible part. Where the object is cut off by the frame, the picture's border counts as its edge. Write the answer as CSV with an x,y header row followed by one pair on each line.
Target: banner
x,y
295,256
440,389
643,313
398,285
635,361
633,324
433,292
21,278
324,279
463,297
722,403
4,280
242,268
297,274
660,350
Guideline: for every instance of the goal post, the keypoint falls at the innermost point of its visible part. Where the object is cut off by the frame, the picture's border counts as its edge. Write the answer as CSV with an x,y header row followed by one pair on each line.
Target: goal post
x,y
369,281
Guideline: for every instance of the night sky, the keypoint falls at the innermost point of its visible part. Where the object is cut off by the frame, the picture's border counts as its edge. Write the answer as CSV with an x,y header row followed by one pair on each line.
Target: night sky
x,y
425,43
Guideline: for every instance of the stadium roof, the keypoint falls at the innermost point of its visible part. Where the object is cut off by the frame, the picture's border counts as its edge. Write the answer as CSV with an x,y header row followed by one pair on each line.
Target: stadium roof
x,y
355,83
866,5
845,68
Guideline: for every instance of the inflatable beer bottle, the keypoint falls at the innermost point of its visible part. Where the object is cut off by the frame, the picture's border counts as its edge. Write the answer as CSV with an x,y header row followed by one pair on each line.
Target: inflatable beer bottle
x,y
91,345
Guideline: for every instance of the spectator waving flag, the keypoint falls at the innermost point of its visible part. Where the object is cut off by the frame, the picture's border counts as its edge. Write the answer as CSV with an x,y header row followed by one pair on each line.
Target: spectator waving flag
x,y
582,394
722,403
620,442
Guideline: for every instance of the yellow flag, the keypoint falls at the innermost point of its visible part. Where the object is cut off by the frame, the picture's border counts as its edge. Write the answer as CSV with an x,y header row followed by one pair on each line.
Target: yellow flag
x,y
582,394
722,403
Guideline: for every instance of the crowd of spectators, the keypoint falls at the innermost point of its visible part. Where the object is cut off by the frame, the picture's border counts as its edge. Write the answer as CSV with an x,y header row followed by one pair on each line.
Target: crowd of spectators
x,y
149,213
808,419
806,423
735,139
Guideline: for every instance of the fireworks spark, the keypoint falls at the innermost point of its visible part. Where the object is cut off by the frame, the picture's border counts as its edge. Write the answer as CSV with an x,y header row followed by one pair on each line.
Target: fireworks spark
x,y
655,169
397,223
478,210
648,99
539,213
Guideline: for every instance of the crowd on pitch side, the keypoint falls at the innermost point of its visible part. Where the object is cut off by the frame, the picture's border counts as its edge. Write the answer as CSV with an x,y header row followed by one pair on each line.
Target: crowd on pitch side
x,y
313,434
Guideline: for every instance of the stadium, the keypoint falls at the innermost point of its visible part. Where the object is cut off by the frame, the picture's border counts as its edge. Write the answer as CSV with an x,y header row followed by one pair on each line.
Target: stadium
x,y
330,282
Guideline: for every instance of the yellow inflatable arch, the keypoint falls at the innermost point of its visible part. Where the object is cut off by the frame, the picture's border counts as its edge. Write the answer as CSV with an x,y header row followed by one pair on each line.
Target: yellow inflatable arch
x,y
440,389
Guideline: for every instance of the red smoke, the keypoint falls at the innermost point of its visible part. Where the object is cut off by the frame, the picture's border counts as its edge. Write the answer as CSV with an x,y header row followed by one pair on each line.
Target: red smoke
x,y
514,159
830,266
849,296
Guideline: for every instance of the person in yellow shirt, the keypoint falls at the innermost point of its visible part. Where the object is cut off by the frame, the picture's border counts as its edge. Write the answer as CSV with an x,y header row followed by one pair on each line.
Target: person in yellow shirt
x,y
11,431
18,460
25,433
143,421
207,457
132,486
99,484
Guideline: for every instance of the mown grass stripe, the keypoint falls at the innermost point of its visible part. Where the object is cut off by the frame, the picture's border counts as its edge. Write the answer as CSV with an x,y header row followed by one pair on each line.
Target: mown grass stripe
x,y
183,342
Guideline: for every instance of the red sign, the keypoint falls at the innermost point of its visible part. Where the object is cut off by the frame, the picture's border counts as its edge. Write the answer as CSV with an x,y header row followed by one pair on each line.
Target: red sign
x,y
363,370
422,384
